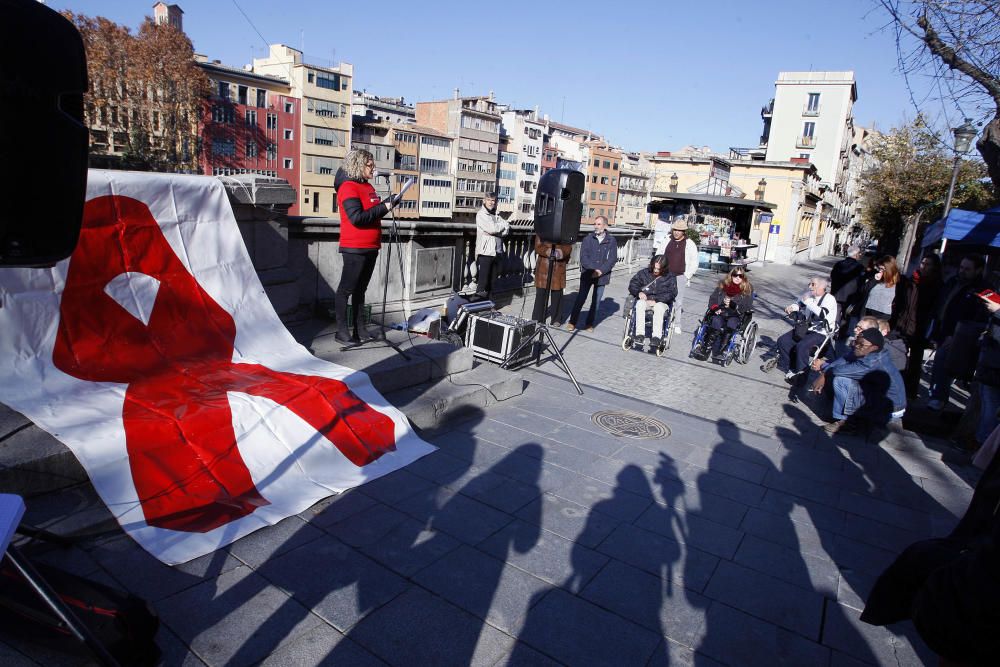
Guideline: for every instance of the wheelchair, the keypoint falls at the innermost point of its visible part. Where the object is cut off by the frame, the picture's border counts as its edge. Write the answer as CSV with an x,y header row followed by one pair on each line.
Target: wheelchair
x,y
628,338
739,347
821,327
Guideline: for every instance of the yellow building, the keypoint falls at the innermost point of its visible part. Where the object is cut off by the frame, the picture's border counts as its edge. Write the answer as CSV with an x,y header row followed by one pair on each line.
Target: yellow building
x,y
776,205
325,126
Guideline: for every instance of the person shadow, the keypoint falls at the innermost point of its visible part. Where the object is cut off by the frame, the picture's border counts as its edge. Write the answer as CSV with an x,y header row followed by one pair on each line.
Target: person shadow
x,y
563,627
765,600
864,508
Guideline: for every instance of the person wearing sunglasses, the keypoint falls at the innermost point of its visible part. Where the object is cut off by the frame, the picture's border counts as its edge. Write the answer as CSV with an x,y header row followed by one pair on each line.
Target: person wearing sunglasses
x,y
732,298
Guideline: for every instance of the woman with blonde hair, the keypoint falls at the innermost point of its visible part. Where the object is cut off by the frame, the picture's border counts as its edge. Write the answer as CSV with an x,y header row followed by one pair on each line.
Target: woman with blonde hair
x,y
361,213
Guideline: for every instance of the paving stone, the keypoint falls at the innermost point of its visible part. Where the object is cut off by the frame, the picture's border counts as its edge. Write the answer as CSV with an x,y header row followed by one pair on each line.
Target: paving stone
x,y
334,581
616,502
335,509
735,638
700,533
482,585
651,552
418,628
802,487
256,548
396,487
552,558
438,466
767,597
890,513
600,444
647,600
565,456
848,553
791,534
518,417
367,526
470,447
409,547
568,519
709,506
845,632
721,484
576,632
803,570
457,515
236,618
321,646
804,511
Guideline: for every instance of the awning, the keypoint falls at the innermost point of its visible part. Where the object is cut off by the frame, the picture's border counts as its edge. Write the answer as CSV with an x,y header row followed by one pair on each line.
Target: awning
x,y
966,227
719,200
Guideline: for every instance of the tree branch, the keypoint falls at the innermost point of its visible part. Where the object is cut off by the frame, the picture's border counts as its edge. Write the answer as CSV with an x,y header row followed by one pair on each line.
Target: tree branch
x,y
954,61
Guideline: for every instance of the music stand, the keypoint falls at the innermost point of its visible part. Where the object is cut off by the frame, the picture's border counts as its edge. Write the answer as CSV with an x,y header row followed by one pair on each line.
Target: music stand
x,y
542,330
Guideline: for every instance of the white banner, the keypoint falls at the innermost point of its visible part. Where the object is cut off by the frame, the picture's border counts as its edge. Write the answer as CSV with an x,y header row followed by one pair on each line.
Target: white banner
x,y
155,356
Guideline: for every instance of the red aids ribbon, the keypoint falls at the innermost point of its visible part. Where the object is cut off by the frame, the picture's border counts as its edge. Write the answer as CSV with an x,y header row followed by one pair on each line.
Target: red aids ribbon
x,y
182,450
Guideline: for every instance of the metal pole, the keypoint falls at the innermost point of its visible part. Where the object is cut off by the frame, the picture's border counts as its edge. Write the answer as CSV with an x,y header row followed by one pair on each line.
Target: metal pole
x,y
951,188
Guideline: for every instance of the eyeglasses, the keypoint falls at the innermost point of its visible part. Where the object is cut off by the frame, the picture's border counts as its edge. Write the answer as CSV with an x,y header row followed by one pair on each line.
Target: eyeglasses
x,y
738,275
370,165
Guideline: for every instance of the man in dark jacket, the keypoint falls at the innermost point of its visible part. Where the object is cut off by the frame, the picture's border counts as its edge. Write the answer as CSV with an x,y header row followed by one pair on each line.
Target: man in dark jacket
x,y
653,288
598,254
957,305
844,279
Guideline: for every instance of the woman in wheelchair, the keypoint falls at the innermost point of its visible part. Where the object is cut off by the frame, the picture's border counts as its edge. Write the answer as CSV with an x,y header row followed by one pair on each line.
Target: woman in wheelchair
x,y
729,303
654,288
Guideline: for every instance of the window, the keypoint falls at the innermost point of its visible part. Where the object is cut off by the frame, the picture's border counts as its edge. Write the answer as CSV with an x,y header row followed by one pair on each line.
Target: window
x,y
251,117
311,77
805,156
434,141
221,113
321,165
316,203
436,204
604,180
808,129
251,149
406,138
436,183
591,213
272,121
433,166
813,103
329,81
224,90
509,158
408,205
477,123
241,94
593,195
224,147
607,164
407,162
288,134
325,108
272,152
597,162
289,107
287,163
529,167
527,207
615,166
261,98
508,175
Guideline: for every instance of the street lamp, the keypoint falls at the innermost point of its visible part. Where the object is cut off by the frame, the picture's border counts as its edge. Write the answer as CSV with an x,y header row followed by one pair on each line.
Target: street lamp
x,y
964,134
759,192
673,182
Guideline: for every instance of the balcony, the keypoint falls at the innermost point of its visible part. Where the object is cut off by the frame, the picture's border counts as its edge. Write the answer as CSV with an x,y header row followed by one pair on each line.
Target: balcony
x,y
810,111
767,110
805,142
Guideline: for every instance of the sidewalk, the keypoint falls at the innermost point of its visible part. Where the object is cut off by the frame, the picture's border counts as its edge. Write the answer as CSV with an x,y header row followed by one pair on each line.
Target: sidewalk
x,y
745,535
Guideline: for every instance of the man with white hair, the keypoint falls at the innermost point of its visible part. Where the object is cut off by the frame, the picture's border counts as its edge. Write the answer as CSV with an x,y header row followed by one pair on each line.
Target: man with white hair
x,y
816,310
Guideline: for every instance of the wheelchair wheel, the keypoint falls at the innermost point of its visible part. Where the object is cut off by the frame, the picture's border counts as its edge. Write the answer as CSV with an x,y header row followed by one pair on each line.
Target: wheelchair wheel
x,y
748,344
627,343
668,330
662,347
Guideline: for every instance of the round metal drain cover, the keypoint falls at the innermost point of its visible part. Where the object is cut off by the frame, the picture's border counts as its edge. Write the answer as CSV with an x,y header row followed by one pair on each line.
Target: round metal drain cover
x,y
630,425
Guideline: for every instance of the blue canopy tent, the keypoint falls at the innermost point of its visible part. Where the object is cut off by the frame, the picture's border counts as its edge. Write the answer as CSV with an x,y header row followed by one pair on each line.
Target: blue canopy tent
x,y
966,227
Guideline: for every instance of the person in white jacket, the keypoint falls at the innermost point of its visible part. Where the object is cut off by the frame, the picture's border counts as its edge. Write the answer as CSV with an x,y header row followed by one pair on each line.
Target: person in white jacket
x,y
819,309
490,230
682,257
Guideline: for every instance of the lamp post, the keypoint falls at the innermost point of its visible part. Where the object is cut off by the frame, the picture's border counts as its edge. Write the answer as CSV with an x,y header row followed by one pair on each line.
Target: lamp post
x,y
964,134
673,182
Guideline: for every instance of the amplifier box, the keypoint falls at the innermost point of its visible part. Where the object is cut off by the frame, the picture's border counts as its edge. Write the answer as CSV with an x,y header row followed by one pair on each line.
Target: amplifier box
x,y
494,336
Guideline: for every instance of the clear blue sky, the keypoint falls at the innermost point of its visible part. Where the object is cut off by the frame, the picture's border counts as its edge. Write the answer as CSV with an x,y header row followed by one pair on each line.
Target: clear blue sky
x,y
649,75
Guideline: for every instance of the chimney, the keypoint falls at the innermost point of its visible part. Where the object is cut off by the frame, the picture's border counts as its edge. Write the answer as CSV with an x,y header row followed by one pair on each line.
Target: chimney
x,y
491,96
456,93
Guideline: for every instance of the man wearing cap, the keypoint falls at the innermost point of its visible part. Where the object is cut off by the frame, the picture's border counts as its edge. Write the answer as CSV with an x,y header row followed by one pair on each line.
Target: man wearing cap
x,y
866,385
490,230
682,258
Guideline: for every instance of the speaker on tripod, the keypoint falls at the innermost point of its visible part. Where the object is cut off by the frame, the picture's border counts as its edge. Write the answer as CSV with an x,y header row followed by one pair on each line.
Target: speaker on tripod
x,y
558,208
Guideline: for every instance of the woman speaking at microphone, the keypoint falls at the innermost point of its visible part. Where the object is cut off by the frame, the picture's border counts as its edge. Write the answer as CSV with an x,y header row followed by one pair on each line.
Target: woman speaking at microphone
x,y
361,213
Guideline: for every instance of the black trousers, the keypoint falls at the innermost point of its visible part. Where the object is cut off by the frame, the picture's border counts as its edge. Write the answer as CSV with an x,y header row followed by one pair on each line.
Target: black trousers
x,y
486,268
542,297
354,279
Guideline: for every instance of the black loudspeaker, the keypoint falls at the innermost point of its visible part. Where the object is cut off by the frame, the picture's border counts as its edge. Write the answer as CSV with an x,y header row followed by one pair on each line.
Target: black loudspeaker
x,y
43,141
559,205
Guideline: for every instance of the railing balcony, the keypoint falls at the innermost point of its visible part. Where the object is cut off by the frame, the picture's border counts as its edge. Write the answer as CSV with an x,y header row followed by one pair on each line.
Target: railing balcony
x,y
805,142
810,111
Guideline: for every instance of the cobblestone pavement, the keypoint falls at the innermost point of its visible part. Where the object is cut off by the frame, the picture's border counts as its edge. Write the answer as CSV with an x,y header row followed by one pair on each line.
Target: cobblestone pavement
x,y
533,536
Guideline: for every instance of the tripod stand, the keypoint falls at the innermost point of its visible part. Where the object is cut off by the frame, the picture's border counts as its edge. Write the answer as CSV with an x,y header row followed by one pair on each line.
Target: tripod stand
x,y
542,330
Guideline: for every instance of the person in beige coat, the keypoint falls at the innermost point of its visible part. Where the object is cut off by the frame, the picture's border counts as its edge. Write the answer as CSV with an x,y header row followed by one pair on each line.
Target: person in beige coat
x,y
490,230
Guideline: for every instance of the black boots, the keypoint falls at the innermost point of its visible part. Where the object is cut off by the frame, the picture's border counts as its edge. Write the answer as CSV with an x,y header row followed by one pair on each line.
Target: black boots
x,y
343,334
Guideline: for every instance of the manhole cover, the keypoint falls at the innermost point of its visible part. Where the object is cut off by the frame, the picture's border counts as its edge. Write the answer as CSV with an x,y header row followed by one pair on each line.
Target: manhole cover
x,y
630,425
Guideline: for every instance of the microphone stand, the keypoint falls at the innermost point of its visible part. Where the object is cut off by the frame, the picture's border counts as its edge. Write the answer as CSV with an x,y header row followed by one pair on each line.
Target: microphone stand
x,y
542,330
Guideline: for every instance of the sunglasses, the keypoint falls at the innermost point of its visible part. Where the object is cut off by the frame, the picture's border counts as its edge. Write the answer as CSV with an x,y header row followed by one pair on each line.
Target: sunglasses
x,y
739,275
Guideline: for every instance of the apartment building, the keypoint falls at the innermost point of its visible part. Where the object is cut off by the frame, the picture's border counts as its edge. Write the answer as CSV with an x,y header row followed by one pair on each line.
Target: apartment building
x,y
526,135
407,143
506,176
376,137
241,121
324,126
633,192
474,125
393,110
436,182
600,198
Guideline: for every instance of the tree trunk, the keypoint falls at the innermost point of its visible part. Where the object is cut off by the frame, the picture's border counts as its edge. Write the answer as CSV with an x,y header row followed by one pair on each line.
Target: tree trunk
x,y
989,147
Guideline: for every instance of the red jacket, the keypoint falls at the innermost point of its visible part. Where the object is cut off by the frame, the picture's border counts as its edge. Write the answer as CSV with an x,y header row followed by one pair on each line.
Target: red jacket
x,y
361,213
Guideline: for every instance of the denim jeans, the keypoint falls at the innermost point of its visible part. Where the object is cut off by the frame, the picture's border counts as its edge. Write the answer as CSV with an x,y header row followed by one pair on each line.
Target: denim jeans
x,y
989,402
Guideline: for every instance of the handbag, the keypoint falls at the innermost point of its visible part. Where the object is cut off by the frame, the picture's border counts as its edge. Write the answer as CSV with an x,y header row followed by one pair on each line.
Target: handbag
x,y
800,329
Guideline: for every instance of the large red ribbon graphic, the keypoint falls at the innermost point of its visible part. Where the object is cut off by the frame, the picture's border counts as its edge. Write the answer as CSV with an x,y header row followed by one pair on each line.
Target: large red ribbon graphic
x,y
184,461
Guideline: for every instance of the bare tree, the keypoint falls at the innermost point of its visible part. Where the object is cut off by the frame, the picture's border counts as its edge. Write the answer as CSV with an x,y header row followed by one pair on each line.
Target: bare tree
x,y
949,52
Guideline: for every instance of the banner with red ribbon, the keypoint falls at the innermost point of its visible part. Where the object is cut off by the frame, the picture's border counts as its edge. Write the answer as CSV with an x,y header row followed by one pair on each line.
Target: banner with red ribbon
x,y
155,356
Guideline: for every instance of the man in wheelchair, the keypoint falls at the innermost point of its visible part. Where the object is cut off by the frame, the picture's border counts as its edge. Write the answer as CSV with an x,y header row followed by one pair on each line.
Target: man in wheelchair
x,y
653,288
729,308
815,322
